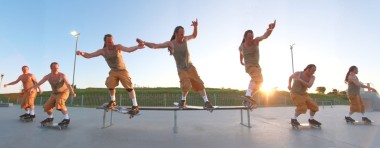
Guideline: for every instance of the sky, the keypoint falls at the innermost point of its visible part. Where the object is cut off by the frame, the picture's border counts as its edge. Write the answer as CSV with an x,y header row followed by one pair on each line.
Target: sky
x,y
333,35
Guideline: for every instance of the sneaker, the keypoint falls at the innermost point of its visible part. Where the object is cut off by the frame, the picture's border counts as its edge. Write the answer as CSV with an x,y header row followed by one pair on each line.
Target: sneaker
x,y
30,117
314,122
294,122
47,121
182,104
365,119
64,122
349,119
24,115
250,100
134,110
208,105
111,104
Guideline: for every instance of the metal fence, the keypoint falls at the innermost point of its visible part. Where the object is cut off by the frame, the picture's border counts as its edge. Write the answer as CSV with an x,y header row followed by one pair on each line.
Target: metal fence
x,y
168,99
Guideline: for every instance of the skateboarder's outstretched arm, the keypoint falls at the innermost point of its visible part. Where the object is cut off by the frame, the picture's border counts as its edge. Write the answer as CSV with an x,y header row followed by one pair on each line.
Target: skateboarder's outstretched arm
x,y
91,55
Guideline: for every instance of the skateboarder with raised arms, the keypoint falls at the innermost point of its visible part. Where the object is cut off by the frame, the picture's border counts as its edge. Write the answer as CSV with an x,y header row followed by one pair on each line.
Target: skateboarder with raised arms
x,y
28,81
353,94
187,72
113,55
61,90
302,80
249,53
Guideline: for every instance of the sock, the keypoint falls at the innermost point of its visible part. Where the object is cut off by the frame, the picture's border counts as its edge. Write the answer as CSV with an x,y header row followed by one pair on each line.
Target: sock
x,y
134,102
32,112
311,118
294,117
112,98
66,116
364,116
50,116
249,90
27,111
349,114
183,98
205,99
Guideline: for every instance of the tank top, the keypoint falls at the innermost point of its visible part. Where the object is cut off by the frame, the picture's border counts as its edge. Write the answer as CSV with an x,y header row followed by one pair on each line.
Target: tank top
x,y
251,55
298,87
57,85
353,89
115,59
181,56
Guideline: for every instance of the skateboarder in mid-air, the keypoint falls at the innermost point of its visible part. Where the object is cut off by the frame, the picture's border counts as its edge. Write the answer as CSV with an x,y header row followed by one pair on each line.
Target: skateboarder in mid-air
x,y
28,81
61,90
113,55
187,72
303,80
249,52
353,94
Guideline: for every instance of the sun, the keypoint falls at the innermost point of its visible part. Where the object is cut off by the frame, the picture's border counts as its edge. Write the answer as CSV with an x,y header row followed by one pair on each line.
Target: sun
x,y
266,88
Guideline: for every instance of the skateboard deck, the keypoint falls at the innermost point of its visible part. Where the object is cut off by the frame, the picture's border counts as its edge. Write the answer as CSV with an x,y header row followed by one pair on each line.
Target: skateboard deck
x,y
119,109
26,119
360,123
248,103
305,125
124,110
194,107
54,125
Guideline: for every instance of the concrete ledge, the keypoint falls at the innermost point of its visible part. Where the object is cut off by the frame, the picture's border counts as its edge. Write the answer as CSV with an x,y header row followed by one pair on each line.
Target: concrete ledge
x,y
6,104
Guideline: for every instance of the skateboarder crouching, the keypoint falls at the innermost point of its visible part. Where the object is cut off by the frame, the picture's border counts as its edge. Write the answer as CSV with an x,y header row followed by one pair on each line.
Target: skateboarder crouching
x,y
61,89
301,81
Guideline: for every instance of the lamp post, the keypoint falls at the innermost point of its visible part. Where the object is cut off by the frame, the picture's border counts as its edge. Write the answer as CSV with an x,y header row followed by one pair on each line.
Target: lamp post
x,y
1,80
291,51
76,35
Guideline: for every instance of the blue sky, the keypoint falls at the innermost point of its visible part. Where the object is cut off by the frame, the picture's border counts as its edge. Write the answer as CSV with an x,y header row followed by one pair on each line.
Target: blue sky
x,y
331,34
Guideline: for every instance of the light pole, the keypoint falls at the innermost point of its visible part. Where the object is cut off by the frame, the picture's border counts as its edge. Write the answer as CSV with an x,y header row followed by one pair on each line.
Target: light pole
x,y
76,35
1,80
291,51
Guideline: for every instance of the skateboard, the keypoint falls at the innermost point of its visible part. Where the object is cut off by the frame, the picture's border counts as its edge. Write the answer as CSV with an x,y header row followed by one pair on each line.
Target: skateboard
x,y
360,123
26,119
195,107
303,125
124,110
248,103
54,125
119,109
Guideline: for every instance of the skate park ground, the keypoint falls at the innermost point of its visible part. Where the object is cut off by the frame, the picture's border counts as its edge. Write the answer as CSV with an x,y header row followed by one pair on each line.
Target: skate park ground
x,y
220,129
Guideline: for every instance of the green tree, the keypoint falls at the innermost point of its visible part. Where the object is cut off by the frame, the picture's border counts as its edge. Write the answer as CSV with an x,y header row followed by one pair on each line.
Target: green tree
x,y
321,89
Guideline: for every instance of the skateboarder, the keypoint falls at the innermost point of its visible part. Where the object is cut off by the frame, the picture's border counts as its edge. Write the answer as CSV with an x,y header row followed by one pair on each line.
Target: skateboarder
x,y
187,72
28,81
303,80
249,52
353,94
61,89
113,55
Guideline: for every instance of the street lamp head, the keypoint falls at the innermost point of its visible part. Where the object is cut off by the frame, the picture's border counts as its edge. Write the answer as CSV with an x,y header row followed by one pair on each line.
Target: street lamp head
x,y
74,33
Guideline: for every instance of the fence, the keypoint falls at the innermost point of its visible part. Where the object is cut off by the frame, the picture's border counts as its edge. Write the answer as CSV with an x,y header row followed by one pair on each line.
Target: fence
x,y
219,99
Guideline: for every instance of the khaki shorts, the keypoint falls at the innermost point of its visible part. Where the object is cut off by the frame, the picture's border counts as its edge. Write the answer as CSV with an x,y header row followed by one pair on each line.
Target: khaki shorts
x,y
56,100
255,73
115,76
189,78
356,103
303,102
28,99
